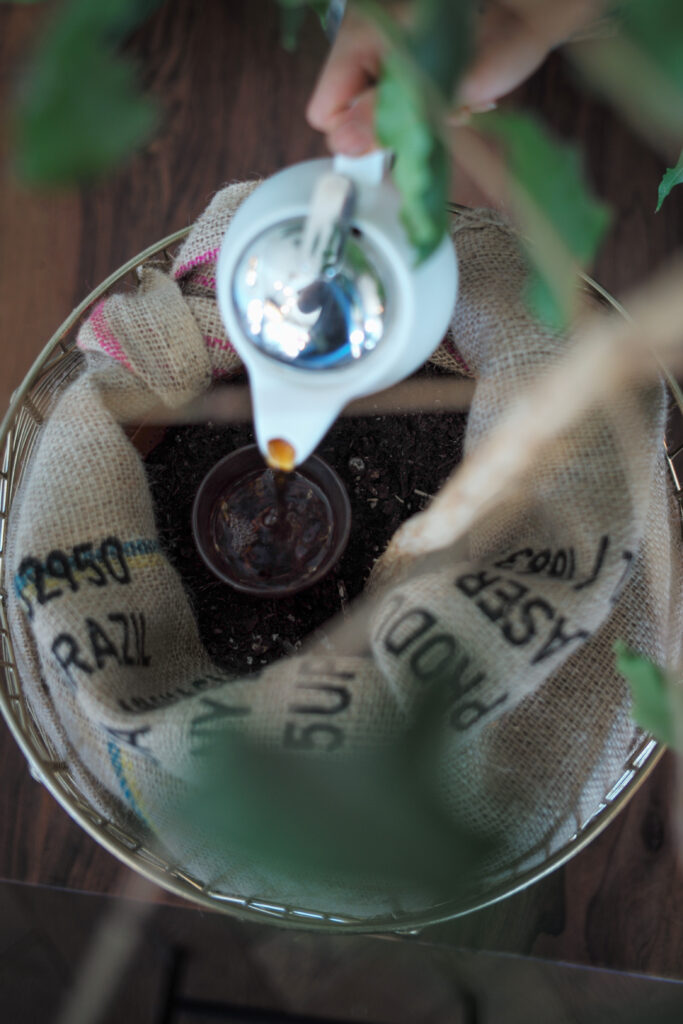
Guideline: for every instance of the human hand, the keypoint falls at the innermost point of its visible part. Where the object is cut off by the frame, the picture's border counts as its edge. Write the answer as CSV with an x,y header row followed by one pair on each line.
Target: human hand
x,y
513,38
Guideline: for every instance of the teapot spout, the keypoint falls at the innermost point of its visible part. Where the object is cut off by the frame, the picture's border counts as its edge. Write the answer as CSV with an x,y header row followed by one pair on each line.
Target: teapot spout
x,y
290,421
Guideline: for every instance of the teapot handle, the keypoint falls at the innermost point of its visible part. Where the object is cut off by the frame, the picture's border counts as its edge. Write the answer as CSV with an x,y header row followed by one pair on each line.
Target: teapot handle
x,y
369,169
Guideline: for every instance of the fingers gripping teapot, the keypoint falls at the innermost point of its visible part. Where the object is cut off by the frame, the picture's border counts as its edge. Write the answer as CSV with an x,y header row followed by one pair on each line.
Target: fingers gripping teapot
x,y
317,285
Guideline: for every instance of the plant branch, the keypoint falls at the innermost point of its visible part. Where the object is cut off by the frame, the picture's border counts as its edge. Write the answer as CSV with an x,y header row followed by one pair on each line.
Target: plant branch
x,y
232,403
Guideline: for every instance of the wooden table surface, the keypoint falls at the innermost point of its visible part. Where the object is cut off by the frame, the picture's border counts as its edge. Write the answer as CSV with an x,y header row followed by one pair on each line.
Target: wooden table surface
x,y
233,103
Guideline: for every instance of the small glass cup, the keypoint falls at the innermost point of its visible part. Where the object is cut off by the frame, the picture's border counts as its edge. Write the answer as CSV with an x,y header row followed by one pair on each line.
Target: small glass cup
x,y
269,533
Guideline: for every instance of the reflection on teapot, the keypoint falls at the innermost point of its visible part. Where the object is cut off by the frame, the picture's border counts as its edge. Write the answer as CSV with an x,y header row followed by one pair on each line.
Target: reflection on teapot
x,y
316,319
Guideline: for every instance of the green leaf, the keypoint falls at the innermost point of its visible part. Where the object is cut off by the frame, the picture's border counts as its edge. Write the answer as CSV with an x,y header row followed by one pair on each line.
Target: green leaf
x,y
550,171
673,177
441,41
80,111
404,123
368,815
653,707
416,82
547,174
639,68
319,7
656,27
546,303
293,15
291,23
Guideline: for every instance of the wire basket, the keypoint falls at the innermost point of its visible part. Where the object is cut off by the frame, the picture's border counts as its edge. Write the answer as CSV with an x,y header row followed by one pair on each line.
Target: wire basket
x,y
58,364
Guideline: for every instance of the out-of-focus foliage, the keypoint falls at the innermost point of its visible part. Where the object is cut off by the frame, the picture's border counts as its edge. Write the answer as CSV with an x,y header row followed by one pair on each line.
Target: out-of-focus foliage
x,y
547,175
418,78
638,67
672,177
367,819
441,41
652,692
656,28
80,110
417,84
292,16
422,163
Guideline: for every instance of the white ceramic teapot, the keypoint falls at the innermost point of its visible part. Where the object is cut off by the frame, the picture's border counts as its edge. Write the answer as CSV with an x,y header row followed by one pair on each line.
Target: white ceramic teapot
x,y
322,300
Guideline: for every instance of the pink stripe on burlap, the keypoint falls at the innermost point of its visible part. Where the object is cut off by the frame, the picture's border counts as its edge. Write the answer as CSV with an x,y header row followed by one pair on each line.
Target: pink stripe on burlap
x,y
205,282
221,343
204,257
105,337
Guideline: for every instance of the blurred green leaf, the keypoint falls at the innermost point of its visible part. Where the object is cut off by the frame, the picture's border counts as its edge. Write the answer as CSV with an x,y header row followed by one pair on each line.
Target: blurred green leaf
x,y
292,16
673,177
80,111
416,83
365,817
404,124
639,66
545,301
441,40
549,177
653,707
656,27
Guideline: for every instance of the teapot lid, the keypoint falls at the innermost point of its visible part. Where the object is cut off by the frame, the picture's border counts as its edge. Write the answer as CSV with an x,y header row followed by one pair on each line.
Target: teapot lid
x,y
311,291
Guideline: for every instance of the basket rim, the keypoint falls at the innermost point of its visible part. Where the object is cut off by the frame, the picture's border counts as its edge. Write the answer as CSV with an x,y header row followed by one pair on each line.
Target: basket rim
x,y
138,858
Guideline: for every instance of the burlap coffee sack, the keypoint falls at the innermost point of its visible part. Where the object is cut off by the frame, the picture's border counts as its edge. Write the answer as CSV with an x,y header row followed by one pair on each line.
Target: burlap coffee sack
x,y
123,654
119,597
596,515
128,696
546,569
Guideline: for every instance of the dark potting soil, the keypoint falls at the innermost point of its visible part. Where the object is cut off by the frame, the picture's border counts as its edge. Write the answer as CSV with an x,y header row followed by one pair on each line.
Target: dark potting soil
x,y
390,466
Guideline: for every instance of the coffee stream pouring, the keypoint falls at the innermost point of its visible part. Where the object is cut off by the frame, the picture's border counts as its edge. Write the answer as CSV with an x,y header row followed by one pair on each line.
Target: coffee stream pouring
x,y
318,288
